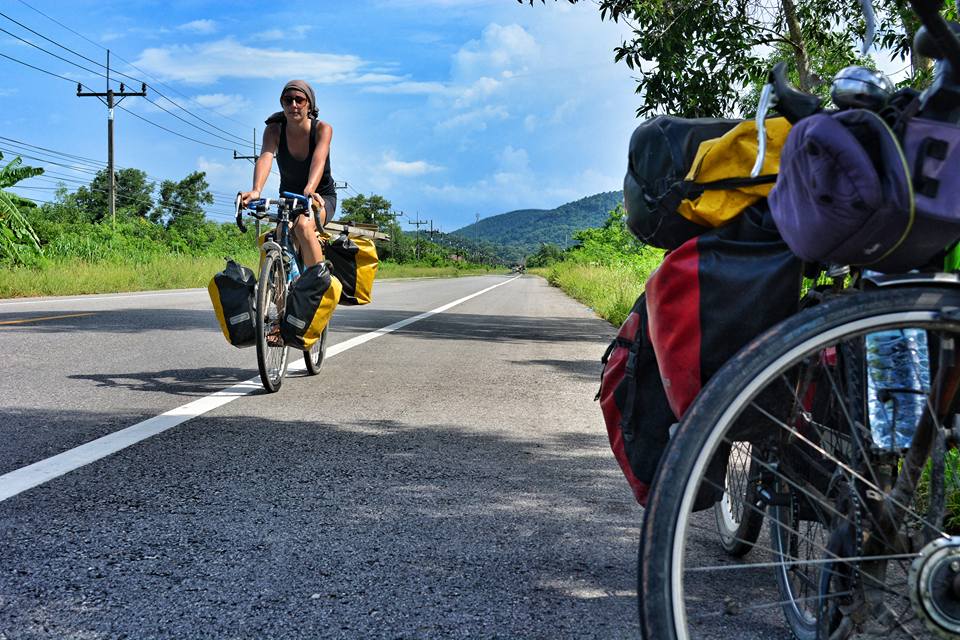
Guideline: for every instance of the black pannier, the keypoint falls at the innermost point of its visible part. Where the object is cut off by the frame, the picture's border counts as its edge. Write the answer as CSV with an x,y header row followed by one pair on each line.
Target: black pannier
x,y
232,294
355,264
310,303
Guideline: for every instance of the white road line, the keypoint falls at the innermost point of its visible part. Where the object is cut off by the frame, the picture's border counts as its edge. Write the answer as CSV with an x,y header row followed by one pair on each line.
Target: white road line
x,y
25,478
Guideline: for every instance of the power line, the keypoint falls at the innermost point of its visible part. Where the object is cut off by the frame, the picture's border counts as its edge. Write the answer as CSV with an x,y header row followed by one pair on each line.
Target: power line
x,y
107,75
159,126
49,73
77,33
96,72
51,53
188,122
53,42
92,163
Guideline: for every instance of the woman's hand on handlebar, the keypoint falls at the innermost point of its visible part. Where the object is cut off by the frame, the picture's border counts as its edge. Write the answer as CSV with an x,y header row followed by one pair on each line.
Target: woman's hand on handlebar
x,y
248,196
318,206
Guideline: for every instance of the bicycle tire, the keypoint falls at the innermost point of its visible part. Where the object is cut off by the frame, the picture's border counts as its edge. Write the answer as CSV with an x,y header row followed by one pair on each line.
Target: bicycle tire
x,y
315,355
753,380
271,298
738,524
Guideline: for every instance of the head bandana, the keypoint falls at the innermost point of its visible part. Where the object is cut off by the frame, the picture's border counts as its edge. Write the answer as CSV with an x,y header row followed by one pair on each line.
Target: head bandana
x,y
303,87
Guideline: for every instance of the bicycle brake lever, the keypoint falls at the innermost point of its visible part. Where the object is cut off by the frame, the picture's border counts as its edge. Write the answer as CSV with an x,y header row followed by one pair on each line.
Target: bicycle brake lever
x,y
767,99
239,206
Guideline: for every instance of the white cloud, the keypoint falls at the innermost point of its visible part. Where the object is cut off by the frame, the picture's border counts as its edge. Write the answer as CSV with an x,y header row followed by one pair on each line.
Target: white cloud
x,y
475,120
199,26
224,104
512,159
297,32
407,169
409,87
226,58
501,50
481,89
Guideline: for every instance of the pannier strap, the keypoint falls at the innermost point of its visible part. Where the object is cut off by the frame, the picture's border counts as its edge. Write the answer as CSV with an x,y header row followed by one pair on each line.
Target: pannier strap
x,y
630,379
929,148
619,341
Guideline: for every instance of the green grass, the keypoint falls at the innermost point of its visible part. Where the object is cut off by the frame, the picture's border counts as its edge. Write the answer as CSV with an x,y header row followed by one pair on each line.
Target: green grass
x,y
395,270
609,290
951,522
77,276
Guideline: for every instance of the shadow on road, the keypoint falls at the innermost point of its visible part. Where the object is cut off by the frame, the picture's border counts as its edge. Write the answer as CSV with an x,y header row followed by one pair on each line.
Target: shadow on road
x,y
200,381
250,527
445,326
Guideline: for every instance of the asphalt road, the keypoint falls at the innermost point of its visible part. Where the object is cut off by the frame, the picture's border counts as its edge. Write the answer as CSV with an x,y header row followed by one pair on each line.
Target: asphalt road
x,y
450,479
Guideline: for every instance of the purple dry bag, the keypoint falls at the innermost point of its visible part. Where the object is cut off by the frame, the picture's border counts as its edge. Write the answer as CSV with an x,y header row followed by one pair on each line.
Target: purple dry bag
x,y
850,192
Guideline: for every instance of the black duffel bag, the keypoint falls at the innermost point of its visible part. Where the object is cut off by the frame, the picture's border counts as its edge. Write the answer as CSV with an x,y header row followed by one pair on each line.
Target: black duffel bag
x,y
661,153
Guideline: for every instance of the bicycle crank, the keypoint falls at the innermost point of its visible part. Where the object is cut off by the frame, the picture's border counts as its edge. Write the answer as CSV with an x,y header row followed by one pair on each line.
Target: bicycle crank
x,y
934,584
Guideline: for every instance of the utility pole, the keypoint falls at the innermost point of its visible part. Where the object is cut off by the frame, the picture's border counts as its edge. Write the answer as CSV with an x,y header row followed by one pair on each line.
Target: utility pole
x,y
417,223
476,230
254,156
110,96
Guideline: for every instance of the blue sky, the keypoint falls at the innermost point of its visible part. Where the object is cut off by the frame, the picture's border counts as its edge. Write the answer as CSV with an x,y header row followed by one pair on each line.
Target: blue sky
x,y
448,108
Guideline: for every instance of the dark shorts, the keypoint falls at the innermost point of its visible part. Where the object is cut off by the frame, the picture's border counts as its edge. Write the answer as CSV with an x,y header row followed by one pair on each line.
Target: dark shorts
x,y
330,204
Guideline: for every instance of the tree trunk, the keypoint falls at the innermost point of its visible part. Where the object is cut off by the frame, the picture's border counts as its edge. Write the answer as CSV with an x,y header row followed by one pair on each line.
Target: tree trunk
x,y
911,24
799,48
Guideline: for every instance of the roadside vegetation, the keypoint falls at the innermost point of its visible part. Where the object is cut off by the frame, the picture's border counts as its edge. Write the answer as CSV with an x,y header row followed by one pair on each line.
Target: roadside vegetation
x,y
605,270
71,246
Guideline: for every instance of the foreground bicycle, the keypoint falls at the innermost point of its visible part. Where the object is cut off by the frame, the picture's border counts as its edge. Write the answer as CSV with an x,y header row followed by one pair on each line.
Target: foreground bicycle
x,y
279,265
850,411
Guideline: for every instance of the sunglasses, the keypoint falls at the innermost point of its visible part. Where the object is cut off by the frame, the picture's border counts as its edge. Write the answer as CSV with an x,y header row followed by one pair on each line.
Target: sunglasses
x,y
289,100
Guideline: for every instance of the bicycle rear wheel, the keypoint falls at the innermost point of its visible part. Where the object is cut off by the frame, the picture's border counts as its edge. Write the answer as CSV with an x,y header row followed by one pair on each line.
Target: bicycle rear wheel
x,y
827,563
314,355
739,520
271,299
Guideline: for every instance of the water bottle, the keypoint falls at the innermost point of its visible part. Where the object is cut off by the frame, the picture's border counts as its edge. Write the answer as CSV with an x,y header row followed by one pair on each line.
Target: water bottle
x,y
290,257
898,383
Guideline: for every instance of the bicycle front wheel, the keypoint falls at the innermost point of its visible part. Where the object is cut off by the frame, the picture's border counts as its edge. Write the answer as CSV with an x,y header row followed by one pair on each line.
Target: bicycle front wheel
x,y
271,299
834,563
314,355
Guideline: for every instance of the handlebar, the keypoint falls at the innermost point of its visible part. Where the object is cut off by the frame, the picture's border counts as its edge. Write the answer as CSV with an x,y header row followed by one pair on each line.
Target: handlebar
x,y
258,208
937,39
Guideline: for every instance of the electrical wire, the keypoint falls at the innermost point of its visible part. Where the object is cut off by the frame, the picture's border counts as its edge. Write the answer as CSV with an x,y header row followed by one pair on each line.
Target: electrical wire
x,y
160,126
234,137
49,73
77,33
88,165
51,53
186,121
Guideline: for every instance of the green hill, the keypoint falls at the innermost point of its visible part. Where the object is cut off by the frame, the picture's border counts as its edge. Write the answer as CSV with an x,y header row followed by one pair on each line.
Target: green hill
x,y
519,233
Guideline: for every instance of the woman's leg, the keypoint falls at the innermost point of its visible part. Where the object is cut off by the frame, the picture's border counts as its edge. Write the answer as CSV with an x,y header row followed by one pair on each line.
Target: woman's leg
x,y
305,233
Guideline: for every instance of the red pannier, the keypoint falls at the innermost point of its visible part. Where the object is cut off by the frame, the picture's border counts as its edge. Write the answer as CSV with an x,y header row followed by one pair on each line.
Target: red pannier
x,y
714,294
708,298
633,402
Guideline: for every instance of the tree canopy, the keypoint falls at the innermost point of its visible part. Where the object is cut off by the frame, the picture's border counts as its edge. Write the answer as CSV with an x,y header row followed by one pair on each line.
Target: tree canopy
x,y
134,194
374,209
181,203
699,57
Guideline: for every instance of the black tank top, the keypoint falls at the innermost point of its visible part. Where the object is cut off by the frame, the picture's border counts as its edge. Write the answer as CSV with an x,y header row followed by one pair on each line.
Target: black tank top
x,y
294,173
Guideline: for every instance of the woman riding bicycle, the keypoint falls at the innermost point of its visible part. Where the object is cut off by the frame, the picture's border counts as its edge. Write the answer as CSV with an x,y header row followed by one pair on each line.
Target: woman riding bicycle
x,y
301,144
